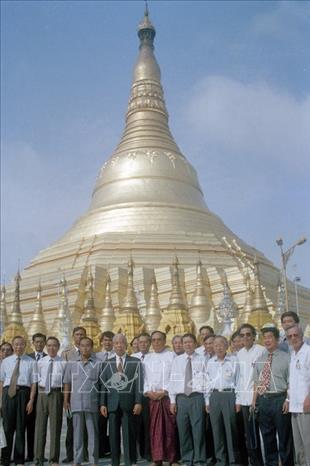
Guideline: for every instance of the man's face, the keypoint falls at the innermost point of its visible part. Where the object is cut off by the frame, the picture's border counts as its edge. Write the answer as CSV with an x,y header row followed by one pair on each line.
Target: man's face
x,y
294,337
119,346
247,337
77,336
220,348
135,345
189,345
270,341
39,343
177,345
158,342
86,348
205,332
52,348
6,351
209,345
107,344
19,346
287,322
144,344
236,344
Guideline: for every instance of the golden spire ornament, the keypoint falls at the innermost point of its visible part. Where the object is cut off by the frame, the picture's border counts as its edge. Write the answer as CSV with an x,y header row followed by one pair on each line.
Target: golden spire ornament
x,y
200,308
129,321
107,317
37,323
260,314
3,314
175,319
89,318
245,312
153,312
62,326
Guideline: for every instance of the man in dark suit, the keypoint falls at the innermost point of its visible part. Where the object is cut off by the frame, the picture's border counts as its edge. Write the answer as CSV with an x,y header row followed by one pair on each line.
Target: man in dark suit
x,y
121,400
38,342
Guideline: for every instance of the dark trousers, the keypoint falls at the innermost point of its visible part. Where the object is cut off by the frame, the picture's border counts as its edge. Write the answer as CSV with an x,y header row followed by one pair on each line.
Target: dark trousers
x,y
272,422
209,441
14,421
125,420
143,430
251,437
191,423
104,442
30,429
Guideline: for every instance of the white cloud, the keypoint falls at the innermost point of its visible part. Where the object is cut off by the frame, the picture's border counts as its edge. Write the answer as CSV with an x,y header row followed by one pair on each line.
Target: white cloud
x,y
252,120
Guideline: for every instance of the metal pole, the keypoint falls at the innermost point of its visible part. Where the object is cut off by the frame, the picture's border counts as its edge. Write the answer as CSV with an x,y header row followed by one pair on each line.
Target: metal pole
x,y
296,280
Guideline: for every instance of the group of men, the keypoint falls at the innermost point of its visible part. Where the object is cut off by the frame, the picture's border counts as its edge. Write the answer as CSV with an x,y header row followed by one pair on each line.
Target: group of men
x,y
247,404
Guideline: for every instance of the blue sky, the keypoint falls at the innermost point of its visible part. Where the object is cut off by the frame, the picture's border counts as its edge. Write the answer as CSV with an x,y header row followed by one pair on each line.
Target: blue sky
x,y
236,77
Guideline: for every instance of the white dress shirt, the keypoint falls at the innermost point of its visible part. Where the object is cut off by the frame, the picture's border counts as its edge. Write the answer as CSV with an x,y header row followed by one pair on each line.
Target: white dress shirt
x,y
177,376
299,385
247,359
200,349
139,355
28,370
59,365
105,355
222,374
157,369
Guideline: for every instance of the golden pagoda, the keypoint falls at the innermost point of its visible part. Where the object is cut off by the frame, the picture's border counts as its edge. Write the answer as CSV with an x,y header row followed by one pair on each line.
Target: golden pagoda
x,y
15,324
107,316
260,314
175,319
37,323
153,312
129,321
147,203
89,318
200,306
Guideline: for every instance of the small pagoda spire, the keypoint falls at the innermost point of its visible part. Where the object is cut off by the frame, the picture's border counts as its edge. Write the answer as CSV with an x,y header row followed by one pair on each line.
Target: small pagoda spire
x,y
62,326
37,324
89,318
153,312
107,318
3,313
176,300
16,316
200,306
130,301
245,312
260,313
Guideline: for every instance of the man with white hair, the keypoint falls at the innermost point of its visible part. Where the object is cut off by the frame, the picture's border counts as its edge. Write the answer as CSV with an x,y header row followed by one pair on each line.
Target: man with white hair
x,y
299,393
121,400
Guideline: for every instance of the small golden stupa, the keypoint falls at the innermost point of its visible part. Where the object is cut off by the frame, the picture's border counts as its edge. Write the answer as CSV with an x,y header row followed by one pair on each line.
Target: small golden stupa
x,y
107,315
37,323
260,314
89,318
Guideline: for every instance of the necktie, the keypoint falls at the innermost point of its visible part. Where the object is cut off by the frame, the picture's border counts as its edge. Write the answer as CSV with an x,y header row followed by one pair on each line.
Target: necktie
x,y
188,377
48,381
120,365
265,376
38,356
142,357
14,377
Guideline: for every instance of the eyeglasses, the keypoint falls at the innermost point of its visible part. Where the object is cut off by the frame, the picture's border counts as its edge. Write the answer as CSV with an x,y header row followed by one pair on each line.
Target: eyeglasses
x,y
246,334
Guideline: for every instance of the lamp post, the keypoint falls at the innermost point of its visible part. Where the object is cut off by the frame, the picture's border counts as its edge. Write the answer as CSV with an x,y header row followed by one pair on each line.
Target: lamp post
x,y
285,256
297,280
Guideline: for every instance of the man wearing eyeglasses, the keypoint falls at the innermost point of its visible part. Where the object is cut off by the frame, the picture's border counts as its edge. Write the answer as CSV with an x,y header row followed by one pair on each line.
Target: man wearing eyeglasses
x,y
247,357
299,393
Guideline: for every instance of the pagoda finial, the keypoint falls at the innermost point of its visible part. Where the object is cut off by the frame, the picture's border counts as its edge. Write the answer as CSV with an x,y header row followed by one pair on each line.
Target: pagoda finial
x,y
199,308
146,30
176,298
16,317
153,311
130,301
107,318
37,324
90,310
3,314
62,326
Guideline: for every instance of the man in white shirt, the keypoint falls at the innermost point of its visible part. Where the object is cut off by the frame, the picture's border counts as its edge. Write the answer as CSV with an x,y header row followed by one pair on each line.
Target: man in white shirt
x,y
157,370
18,377
204,331
299,394
50,403
223,403
177,345
187,391
247,357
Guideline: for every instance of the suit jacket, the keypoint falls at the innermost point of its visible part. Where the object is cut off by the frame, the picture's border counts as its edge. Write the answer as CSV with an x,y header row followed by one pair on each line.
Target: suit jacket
x,y
33,354
70,354
121,390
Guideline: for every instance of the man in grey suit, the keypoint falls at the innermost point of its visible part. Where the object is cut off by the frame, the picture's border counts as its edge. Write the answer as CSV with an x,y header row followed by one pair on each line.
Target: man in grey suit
x,y
121,400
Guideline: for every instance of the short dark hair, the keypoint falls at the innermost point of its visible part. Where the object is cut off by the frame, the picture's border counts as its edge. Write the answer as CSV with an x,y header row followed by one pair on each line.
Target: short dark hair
x,y
208,336
38,335
88,339
134,338
146,335
189,335
55,339
6,343
290,314
19,337
235,335
76,329
273,330
106,334
161,333
208,327
253,329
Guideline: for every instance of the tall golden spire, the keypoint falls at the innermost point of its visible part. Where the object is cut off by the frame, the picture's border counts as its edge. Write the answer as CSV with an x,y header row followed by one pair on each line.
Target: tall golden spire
x,y
245,312
15,321
3,314
37,323
129,320
89,318
175,319
260,314
107,318
62,326
200,305
153,312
